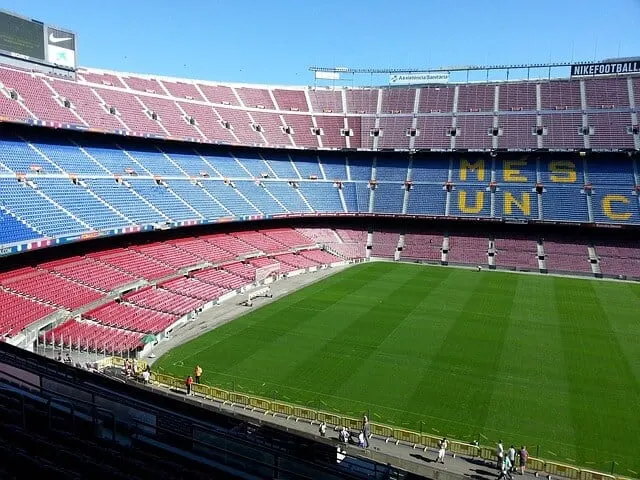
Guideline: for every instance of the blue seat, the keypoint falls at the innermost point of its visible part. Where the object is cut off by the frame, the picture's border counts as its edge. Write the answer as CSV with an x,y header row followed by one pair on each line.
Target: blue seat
x,y
14,231
322,196
388,197
163,199
260,197
27,204
82,204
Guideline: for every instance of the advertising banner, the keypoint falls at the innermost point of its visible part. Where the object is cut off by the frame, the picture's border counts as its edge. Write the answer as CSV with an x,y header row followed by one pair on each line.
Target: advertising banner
x,y
418,78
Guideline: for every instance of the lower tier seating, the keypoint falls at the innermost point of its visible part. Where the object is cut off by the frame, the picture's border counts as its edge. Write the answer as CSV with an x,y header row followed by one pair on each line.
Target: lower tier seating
x,y
131,317
53,289
92,337
163,301
18,312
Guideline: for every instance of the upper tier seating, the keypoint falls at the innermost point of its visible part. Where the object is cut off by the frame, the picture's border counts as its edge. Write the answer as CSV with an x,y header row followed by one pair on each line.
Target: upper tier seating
x,y
190,110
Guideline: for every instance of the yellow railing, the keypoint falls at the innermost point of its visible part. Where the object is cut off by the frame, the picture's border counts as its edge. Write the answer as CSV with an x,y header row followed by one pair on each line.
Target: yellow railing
x,y
415,439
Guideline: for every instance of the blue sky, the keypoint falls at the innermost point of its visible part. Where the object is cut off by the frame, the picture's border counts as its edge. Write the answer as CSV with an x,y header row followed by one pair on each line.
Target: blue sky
x,y
275,42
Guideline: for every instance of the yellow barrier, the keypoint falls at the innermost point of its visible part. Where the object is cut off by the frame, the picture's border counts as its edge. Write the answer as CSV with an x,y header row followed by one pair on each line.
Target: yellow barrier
x,y
219,394
430,441
161,378
535,464
238,398
304,413
352,423
381,430
407,436
561,470
329,418
589,475
259,403
201,389
487,453
282,408
119,362
464,449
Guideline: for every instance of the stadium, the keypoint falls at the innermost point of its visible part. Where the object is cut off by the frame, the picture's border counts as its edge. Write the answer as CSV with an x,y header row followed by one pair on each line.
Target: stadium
x,y
448,258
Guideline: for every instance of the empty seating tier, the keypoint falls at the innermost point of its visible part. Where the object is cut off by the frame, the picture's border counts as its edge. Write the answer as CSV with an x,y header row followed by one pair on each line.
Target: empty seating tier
x,y
192,287
90,336
18,312
221,278
134,263
131,317
51,288
163,301
91,272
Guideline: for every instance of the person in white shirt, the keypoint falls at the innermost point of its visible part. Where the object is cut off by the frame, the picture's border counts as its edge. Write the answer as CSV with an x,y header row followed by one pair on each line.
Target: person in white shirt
x,y
443,444
145,376
500,454
511,453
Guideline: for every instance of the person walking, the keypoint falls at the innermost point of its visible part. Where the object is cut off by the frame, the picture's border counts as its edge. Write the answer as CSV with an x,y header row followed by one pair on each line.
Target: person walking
x,y
505,469
188,383
366,429
500,454
442,450
197,373
511,453
323,429
524,456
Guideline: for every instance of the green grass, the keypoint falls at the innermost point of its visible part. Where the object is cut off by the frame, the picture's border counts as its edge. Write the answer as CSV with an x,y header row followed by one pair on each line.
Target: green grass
x,y
528,359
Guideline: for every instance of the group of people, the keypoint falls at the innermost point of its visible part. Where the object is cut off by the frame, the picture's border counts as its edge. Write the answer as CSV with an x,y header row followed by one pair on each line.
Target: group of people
x,y
197,374
506,460
132,370
346,436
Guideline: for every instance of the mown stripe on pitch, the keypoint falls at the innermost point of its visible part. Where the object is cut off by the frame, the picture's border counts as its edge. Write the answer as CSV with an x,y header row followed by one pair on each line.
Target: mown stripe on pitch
x,y
462,372
597,379
357,341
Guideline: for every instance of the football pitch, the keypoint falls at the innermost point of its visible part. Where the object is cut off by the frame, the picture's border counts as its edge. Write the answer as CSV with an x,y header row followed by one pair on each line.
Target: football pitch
x,y
552,363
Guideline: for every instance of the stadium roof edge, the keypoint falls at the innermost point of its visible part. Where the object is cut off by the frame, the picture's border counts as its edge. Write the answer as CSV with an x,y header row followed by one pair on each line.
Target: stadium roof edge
x,y
455,68
167,78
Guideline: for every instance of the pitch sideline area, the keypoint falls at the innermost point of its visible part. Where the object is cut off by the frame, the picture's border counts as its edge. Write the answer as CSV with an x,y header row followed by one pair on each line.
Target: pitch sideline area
x,y
528,359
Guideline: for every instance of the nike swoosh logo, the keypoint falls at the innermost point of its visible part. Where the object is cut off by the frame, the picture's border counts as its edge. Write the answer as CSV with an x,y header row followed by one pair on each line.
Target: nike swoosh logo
x,y
54,39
